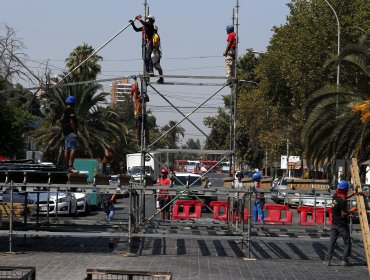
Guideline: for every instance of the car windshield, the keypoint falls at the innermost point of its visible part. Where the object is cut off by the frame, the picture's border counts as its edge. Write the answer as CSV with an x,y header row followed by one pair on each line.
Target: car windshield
x,y
180,180
137,170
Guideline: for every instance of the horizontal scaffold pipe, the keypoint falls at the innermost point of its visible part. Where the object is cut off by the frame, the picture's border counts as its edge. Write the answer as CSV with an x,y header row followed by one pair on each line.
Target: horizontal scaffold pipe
x,y
193,151
192,77
188,84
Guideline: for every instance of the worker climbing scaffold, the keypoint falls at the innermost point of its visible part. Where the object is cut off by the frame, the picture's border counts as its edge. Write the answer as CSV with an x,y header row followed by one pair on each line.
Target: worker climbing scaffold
x,y
147,37
138,100
229,53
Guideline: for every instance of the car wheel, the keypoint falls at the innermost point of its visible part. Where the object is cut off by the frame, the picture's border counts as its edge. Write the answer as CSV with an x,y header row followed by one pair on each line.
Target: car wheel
x,y
87,209
76,211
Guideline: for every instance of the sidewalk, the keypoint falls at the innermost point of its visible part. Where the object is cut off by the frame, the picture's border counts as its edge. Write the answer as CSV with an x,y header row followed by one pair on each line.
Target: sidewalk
x,y
275,258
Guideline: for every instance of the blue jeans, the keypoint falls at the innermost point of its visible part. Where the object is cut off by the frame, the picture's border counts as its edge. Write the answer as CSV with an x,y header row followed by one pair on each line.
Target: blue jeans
x,y
258,210
70,142
110,211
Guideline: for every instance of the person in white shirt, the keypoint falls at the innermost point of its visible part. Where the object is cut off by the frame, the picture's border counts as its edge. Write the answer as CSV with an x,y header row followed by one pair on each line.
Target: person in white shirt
x,y
238,197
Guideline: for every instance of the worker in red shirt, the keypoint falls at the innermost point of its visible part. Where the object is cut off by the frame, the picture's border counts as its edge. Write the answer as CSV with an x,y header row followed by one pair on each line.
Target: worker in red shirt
x,y
163,198
229,53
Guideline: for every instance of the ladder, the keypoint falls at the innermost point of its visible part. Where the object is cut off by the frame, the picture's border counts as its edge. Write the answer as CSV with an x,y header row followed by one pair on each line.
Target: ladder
x,y
361,208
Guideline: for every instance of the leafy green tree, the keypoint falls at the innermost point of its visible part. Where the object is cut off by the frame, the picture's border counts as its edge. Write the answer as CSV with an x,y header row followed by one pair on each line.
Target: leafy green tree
x,y
15,122
219,137
292,69
193,144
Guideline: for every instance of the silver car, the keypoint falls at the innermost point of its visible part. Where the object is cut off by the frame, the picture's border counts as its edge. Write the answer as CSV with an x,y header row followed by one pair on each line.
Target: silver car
x,y
82,202
61,203
280,187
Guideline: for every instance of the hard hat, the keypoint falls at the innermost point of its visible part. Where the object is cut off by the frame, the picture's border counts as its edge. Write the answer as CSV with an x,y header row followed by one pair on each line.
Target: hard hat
x,y
71,99
343,185
256,176
156,27
164,171
230,28
151,17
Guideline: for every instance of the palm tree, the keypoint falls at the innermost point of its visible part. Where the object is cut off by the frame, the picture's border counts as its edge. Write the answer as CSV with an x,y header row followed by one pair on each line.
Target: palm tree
x,y
99,128
174,135
88,70
338,125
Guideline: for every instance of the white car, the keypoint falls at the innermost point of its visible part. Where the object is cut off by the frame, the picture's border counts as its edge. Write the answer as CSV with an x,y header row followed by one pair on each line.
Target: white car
x,y
65,201
82,203
322,200
191,180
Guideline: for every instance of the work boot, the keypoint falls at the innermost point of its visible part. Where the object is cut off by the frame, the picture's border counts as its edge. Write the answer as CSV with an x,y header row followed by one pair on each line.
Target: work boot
x,y
346,263
160,80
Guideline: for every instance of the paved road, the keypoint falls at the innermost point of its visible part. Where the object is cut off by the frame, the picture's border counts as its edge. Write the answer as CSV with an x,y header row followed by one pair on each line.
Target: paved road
x,y
67,258
286,256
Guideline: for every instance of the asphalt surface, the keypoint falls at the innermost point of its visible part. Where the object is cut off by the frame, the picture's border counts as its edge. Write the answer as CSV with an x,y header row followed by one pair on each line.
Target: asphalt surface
x,y
271,258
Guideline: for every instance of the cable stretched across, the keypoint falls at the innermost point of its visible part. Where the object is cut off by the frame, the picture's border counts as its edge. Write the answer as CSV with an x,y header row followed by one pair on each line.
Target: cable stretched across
x,y
186,117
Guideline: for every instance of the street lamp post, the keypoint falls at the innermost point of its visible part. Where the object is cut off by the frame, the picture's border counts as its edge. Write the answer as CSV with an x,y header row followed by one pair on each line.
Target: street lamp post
x,y
338,50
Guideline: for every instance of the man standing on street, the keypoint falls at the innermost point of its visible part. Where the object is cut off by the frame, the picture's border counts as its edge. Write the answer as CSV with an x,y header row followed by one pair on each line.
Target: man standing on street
x,y
340,221
69,126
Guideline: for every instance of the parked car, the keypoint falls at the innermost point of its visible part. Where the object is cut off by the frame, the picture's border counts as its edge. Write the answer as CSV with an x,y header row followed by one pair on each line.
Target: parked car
x,y
322,200
135,172
121,192
191,180
66,201
281,195
82,203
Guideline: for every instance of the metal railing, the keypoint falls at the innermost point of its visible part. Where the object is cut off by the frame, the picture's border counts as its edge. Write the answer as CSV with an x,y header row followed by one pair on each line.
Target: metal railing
x,y
92,274
18,273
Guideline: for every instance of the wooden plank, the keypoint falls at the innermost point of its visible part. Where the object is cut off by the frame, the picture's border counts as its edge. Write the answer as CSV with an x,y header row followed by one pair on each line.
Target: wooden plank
x,y
228,182
308,184
18,209
361,209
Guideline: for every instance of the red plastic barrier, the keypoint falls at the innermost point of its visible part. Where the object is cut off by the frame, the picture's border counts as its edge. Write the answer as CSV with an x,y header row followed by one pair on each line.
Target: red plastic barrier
x,y
220,209
245,215
275,211
186,207
305,211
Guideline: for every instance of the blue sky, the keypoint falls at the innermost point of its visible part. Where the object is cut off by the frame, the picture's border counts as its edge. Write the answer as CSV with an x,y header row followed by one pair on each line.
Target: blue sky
x,y
192,33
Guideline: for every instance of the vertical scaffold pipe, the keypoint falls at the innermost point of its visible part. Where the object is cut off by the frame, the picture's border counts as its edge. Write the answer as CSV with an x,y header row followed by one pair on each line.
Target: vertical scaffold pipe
x,y
235,85
144,130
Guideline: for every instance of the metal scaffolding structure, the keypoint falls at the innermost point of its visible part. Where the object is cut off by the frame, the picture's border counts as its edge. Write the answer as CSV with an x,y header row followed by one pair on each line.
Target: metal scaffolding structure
x,y
138,191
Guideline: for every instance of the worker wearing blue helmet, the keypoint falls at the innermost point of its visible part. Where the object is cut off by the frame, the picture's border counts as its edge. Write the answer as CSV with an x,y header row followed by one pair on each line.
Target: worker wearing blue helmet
x,y
259,203
229,52
69,127
339,226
